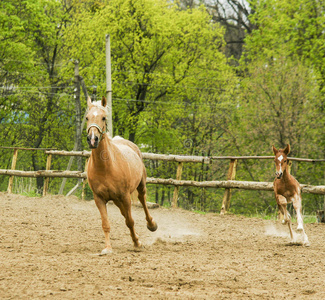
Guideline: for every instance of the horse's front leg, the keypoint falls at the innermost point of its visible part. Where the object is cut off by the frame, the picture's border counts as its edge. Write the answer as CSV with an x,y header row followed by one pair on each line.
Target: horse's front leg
x,y
124,204
101,205
296,201
282,204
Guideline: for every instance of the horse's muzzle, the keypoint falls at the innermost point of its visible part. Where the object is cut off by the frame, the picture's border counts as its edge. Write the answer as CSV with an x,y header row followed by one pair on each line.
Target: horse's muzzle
x,y
278,175
92,141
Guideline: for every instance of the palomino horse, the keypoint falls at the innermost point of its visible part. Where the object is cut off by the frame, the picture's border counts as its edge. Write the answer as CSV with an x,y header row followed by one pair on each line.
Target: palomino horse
x,y
287,189
115,170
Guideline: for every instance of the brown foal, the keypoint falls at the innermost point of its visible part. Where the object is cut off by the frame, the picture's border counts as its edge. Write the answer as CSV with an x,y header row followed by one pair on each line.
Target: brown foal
x,y
115,170
287,189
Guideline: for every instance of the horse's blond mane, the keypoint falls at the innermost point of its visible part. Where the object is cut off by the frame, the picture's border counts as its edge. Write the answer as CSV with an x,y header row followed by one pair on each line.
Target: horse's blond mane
x,y
99,105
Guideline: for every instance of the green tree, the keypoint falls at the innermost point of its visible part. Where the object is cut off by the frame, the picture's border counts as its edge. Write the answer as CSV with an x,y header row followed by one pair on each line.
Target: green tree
x,y
34,92
158,52
295,28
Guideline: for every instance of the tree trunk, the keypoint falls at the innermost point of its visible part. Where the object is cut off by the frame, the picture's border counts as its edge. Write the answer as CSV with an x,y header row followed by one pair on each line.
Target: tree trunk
x,y
162,197
39,180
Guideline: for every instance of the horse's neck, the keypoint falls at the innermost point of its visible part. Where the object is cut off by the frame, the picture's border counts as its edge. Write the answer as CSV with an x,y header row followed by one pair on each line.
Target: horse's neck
x,y
103,155
286,175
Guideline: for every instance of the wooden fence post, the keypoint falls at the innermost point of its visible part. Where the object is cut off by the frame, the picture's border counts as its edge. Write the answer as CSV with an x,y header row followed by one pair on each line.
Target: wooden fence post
x,y
13,167
227,195
47,179
84,182
176,189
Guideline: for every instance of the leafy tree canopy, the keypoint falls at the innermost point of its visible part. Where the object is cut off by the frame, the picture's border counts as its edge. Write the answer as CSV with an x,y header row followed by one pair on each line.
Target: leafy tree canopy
x,y
293,28
159,54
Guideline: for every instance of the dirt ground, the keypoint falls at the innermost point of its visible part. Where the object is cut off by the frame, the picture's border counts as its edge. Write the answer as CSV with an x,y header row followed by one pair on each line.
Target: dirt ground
x,y
49,249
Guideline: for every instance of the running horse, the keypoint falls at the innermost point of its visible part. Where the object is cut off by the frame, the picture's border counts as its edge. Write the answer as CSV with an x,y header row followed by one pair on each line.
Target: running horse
x,y
115,170
287,189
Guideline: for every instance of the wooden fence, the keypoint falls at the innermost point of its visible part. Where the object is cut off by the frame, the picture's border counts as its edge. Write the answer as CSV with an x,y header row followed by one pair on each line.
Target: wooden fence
x,y
227,184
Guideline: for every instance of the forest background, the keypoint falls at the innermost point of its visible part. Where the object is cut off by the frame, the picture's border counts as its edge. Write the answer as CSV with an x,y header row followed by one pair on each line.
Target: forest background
x,y
206,77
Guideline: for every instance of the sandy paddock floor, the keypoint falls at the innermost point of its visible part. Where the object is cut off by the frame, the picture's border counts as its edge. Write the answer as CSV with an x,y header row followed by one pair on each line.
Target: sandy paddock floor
x,y
49,249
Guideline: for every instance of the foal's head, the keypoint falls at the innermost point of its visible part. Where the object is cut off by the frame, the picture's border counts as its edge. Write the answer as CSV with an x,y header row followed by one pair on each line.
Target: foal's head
x,y
281,160
96,121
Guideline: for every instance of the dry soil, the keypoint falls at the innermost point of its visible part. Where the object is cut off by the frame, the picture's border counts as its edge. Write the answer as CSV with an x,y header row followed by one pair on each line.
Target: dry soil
x,y
49,249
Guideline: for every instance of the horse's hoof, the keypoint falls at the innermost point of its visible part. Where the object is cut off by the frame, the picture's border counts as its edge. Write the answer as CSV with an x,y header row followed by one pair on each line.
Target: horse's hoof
x,y
106,251
300,228
138,245
153,227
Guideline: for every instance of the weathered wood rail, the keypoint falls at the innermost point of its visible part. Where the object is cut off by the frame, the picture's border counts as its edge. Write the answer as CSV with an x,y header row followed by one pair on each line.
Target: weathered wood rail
x,y
228,184
234,184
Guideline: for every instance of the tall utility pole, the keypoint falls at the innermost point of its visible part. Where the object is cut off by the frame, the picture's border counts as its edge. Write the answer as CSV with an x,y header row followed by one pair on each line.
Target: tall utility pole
x,y
109,85
78,142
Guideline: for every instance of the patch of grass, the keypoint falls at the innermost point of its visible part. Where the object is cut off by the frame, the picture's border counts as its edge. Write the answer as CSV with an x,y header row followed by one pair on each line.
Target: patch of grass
x,y
199,212
167,204
31,194
262,216
310,219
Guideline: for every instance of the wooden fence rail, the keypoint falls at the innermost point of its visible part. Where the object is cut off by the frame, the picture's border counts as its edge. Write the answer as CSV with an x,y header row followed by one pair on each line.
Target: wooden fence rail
x,y
233,184
228,184
44,173
182,158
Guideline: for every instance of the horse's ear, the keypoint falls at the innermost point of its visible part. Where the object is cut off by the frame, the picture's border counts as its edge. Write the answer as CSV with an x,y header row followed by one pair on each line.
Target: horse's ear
x,y
286,150
104,101
275,151
88,101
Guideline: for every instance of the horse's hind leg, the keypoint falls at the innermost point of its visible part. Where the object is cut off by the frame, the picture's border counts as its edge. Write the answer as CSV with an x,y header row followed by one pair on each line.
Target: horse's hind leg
x,y
142,195
296,201
125,208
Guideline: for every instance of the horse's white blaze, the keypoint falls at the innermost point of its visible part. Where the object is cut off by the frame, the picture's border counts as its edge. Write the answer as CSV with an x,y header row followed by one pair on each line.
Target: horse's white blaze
x,y
280,169
280,158
95,113
92,140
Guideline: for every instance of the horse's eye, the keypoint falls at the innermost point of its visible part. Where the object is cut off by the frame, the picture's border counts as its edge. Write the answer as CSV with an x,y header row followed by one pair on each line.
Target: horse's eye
x,y
285,161
104,118
86,118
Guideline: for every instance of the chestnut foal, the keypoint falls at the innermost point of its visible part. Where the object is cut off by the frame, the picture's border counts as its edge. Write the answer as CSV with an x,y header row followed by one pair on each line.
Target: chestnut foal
x,y
115,170
287,189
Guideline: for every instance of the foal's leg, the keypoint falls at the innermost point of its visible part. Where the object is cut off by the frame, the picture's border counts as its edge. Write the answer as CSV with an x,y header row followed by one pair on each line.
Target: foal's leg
x,y
282,204
101,205
142,195
125,207
296,201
